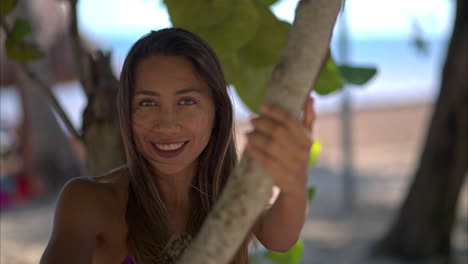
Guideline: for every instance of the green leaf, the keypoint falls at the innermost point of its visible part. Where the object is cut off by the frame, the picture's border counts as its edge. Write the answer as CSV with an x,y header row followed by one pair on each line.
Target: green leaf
x,y
267,44
357,75
232,33
293,256
251,85
231,67
20,29
266,2
310,193
315,150
329,79
21,51
7,6
191,14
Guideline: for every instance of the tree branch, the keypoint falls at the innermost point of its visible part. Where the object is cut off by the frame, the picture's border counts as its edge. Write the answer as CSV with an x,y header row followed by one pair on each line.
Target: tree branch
x,y
5,25
82,68
45,89
248,189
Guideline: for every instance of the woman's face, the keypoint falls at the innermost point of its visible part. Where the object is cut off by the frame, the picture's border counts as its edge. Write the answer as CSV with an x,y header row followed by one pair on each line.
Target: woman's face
x,y
172,113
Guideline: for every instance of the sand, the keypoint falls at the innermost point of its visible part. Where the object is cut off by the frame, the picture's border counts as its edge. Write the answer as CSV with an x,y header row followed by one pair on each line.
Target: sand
x,y
387,141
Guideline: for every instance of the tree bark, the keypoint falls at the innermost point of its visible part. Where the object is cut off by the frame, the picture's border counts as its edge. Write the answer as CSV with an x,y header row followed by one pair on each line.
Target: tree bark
x,y
101,132
424,225
248,189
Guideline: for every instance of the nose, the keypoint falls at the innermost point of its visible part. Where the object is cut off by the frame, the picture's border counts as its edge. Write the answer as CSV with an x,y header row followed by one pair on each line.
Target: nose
x,y
167,121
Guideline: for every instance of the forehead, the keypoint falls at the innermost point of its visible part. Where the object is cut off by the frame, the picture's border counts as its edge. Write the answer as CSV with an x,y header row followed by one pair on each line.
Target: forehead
x,y
167,73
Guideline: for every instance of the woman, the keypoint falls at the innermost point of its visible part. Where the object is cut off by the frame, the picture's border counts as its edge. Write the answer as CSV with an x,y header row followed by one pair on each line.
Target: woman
x,y
176,120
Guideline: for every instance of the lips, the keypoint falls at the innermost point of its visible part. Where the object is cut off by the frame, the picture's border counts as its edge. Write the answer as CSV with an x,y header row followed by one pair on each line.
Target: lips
x,y
169,150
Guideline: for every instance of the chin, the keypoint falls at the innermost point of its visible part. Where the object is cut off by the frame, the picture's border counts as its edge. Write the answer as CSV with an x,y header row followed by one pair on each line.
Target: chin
x,y
170,169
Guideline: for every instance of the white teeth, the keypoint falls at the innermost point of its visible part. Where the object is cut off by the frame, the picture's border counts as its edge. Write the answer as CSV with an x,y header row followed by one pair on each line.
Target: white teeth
x,y
169,146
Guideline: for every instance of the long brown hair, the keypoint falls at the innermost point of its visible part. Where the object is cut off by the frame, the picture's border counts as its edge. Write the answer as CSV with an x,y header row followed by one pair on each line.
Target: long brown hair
x,y
146,216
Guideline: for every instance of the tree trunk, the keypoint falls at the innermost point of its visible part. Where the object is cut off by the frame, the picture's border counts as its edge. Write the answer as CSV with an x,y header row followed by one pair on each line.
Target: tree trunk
x,y
101,132
424,225
248,189
52,160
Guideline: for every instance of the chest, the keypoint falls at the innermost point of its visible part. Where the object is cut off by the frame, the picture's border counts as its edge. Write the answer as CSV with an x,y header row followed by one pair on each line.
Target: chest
x,y
111,243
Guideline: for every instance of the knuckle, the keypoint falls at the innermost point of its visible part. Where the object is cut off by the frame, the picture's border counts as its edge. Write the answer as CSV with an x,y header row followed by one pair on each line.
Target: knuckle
x,y
271,148
298,167
275,130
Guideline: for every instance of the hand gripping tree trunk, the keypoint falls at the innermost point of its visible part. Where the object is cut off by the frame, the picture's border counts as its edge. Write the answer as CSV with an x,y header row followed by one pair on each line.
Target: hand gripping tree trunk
x,y
248,189
424,225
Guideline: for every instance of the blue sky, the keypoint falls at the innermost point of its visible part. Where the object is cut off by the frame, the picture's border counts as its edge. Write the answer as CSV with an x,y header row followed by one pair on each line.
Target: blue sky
x,y
366,18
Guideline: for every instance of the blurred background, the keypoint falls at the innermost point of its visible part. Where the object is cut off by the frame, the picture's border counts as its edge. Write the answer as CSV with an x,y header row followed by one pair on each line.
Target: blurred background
x,y
374,147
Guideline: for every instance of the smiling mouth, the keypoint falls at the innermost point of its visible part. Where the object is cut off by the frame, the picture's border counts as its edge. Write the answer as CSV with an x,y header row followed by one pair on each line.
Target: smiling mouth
x,y
169,147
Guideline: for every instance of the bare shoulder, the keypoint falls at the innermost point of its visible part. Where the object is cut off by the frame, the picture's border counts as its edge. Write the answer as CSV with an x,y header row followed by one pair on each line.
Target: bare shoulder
x,y
101,196
82,202
85,209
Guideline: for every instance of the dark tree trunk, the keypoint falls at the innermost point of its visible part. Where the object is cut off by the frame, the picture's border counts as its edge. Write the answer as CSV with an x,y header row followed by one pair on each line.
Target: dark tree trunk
x,y
424,225
101,131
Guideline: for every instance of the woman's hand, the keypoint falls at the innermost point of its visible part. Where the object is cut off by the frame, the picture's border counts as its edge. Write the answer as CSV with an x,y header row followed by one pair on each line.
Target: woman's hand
x,y
281,143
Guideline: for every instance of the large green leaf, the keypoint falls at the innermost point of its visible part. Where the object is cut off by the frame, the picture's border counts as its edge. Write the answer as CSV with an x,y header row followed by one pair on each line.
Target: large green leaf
x,y
251,84
21,51
266,46
7,6
357,75
20,29
329,79
231,67
293,256
17,48
266,2
191,14
232,33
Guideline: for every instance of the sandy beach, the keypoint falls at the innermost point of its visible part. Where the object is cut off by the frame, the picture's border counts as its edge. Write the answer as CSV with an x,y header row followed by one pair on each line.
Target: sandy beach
x,y
386,145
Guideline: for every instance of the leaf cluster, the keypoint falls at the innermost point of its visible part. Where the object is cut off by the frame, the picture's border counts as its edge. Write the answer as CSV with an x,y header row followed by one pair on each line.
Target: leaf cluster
x,y
249,40
17,47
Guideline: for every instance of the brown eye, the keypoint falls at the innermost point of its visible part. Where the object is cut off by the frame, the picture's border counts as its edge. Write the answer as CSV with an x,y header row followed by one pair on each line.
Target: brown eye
x,y
187,101
146,102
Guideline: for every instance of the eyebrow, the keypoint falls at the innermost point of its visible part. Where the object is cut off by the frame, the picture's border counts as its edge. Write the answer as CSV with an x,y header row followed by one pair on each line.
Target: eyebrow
x,y
182,91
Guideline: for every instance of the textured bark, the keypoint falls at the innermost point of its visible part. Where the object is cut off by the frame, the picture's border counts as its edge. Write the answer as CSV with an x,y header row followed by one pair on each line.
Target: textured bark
x,y
248,189
48,148
424,225
101,132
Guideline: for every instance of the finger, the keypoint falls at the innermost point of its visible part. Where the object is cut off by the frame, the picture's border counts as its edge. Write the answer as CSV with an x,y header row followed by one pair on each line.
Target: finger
x,y
275,169
309,113
292,123
290,156
282,138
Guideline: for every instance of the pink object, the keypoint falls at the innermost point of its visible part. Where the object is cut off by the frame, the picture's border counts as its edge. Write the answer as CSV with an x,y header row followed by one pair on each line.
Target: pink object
x,y
5,200
128,260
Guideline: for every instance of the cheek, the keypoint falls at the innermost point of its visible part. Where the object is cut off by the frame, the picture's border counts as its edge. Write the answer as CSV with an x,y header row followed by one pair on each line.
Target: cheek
x,y
139,133
202,125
